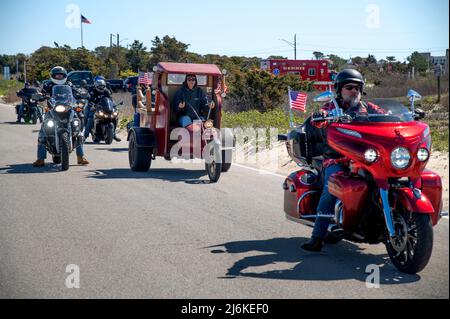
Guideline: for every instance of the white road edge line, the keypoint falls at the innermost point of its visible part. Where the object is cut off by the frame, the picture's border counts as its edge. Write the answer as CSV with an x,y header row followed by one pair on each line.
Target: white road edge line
x,y
261,171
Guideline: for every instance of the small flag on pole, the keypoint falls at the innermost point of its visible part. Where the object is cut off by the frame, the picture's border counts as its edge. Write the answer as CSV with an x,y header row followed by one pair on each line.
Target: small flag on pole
x,y
297,100
84,20
145,78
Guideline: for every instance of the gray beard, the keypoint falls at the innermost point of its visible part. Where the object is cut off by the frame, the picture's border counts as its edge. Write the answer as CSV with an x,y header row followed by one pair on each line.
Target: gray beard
x,y
352,101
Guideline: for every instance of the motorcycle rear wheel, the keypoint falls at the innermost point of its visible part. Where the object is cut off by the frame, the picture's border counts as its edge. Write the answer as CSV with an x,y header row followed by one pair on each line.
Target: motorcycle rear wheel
x,y
56,159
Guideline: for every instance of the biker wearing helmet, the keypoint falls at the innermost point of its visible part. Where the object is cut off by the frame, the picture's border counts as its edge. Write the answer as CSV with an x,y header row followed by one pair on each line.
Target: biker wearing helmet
x,y
27,91
58,76
99,91
348,85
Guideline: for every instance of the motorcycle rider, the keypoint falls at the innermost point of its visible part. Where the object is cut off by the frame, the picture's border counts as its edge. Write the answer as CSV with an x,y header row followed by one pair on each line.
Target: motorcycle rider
x,y
24,93
58,76
96,94
349,85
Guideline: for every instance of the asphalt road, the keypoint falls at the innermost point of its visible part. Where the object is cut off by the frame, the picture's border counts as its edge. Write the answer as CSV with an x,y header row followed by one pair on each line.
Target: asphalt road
x,y
168,233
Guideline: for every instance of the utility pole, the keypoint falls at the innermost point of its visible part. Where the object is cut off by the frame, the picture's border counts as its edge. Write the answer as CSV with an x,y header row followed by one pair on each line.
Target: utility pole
x,y
294,45
438,72
110,40
117,38
25,70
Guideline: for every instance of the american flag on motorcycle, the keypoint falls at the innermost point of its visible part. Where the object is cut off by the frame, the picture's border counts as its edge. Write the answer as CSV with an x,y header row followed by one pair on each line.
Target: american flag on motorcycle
x,y
145,78
297,100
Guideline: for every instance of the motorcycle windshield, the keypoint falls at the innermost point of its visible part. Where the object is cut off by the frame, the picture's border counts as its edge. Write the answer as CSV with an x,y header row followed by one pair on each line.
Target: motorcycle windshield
x,y
62,94
394,112
106,105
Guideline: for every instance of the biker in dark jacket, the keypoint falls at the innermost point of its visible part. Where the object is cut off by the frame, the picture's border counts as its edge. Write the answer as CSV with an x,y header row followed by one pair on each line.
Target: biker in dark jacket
x,y
349,85
26,94
58,76
96,94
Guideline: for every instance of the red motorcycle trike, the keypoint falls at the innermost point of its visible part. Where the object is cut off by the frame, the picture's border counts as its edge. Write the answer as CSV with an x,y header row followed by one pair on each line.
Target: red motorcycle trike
x,y
386,196
159,134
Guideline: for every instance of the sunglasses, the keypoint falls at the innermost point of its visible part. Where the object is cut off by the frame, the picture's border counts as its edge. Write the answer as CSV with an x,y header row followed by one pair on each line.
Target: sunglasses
x,y
351,87
191,79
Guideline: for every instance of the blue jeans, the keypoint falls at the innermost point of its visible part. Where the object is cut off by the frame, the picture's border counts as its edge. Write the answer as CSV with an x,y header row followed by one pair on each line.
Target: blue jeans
x,y
89,115
185,120
326,204
42,152
20,112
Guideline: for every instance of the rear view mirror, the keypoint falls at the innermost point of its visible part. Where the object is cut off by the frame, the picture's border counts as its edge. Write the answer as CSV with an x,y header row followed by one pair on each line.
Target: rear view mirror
x,y
324,97
413,94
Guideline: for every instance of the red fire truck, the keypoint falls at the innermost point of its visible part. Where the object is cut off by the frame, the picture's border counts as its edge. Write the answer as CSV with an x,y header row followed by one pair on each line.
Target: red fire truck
x,y
310,70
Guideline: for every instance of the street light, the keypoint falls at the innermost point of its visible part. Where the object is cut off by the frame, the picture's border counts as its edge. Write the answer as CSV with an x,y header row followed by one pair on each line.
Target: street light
x,y
294,45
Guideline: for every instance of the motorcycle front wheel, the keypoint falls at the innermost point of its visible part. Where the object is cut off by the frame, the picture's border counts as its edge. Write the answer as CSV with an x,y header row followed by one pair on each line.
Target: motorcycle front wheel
x,y
109,134
410,250
64,151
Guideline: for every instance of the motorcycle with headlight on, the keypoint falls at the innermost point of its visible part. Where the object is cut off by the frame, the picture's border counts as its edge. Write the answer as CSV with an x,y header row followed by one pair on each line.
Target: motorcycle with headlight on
x,y
62,133
106,117
386,195
82,96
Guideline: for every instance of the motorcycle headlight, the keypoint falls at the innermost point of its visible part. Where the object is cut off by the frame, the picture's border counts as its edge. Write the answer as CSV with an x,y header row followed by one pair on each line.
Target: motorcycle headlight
x,y
50,123
100,113
370,155
423,154
400,158
60,108
76,122
80,104
31,100
115,113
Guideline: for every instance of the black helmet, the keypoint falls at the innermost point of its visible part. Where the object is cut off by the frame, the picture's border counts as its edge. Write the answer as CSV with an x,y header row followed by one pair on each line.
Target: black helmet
x,y
83,83
348,76
58,75
100,85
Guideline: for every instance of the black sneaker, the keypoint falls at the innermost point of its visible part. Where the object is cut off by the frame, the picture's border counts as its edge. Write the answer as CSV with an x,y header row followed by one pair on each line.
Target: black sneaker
x,y
314,244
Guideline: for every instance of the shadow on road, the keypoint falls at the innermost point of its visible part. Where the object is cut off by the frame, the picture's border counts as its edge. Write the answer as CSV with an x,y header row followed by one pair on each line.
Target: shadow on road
x,y
116,150
30,169
166,174
341,261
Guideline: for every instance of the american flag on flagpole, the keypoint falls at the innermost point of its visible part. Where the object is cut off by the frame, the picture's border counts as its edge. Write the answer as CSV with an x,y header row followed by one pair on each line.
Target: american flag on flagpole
x,y
145,78
84,20
297,100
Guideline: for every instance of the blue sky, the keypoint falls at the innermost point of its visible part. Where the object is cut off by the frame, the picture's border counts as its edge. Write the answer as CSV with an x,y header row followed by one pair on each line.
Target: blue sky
x,y
244,28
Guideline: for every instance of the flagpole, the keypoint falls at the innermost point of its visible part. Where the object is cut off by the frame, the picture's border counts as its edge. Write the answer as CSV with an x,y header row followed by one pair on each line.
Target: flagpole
x,y
291,115
81,20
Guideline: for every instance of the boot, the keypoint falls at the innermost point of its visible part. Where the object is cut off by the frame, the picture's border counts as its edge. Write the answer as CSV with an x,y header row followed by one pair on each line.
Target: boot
x,y
82,160
39,163
314,244
116,138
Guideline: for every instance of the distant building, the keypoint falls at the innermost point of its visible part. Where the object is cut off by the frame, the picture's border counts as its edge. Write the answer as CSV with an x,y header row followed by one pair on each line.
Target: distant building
x,y
435,60
426,56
